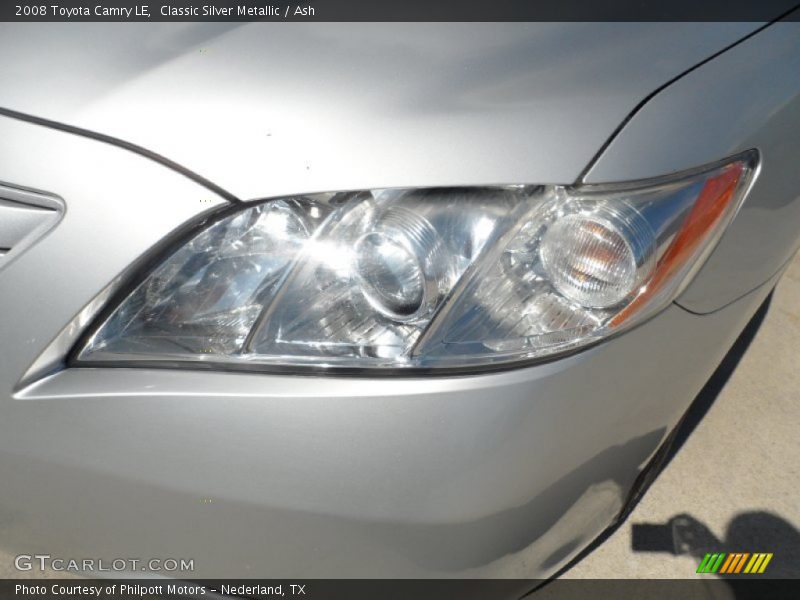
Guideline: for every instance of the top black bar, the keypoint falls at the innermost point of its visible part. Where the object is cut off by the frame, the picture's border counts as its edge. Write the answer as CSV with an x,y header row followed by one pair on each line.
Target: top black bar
x,y
399,10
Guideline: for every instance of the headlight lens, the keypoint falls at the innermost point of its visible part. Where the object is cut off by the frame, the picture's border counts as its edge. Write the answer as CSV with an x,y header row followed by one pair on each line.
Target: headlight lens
x,y
424,278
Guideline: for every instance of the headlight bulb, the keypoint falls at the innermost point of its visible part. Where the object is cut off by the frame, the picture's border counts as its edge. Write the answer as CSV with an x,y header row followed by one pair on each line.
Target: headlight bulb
x,y
391,276
397,265
598,257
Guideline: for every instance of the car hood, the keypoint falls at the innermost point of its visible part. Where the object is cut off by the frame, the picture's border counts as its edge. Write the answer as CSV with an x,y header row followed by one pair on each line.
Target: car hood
x,y
263,109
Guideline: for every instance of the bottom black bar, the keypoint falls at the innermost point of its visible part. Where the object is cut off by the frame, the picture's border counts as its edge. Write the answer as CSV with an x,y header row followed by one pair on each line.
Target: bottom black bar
x,y
700,588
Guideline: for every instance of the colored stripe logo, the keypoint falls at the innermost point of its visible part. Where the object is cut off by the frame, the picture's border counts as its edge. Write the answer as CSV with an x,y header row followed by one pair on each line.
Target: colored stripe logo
x,y
735,563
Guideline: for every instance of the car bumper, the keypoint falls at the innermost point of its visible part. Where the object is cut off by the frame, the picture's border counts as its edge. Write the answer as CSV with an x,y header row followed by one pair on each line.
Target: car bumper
x,y
508,474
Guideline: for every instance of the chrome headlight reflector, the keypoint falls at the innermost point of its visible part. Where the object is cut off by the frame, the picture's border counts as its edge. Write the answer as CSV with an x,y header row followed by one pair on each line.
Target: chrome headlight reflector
x,y
423,278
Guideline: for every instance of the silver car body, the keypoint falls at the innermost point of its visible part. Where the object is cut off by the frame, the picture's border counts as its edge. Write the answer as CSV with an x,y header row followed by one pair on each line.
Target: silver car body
x,y
499,474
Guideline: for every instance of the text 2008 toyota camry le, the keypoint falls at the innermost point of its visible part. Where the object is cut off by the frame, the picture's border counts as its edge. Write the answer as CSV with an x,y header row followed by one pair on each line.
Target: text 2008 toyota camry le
x,y
400,300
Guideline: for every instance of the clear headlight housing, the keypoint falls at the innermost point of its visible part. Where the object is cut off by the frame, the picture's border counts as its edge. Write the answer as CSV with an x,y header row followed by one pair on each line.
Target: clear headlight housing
x,y
423,278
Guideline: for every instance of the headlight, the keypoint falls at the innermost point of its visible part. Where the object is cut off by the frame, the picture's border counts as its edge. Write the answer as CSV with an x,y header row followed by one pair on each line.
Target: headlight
x,y
423,278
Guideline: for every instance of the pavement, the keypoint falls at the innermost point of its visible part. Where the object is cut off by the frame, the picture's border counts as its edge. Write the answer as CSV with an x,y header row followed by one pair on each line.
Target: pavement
x,y
734,483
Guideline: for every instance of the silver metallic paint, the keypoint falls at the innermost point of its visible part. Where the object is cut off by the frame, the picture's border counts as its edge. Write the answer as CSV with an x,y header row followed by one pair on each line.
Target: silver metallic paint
x,y
264,109
503,474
